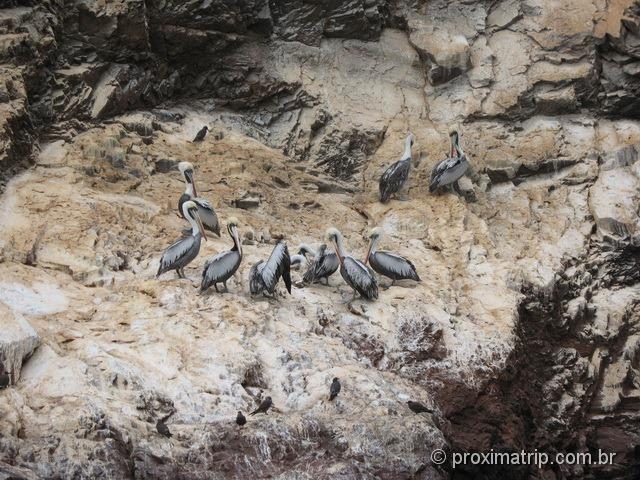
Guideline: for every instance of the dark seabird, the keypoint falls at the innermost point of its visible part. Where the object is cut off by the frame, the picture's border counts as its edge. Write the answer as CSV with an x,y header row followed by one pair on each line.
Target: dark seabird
x,y
264,276
201,134
264,406
389,264
395,177
417,407
355,273
205,210
5,379
241,419
221,267
162,429
449,170
335,389
324,265
182,252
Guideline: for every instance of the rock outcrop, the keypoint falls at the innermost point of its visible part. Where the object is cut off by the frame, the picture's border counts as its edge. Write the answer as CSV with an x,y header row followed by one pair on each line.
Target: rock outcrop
x,y
524,333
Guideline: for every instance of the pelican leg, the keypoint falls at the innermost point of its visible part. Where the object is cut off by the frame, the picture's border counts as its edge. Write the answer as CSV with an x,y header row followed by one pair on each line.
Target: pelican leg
x,y
326,281
456,187
350,301
226,289
215,285
179,272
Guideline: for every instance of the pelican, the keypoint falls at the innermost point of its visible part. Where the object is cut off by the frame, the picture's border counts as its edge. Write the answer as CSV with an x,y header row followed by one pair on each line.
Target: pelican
x,y
355,273
205,210
264,276
324,264
221,267
389,264
449,170
396,176
182,252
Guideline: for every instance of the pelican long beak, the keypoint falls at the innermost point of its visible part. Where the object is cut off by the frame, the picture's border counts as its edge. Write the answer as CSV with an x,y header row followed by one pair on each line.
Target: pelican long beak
x,y
202,231
236,239
335,247
368,251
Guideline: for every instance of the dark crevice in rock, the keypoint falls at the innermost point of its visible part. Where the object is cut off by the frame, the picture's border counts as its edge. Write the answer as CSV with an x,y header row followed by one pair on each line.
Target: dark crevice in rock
x,y
547,396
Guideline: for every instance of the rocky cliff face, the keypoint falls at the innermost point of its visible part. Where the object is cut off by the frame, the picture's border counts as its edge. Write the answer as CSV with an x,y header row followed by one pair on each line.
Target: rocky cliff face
x,y
523,334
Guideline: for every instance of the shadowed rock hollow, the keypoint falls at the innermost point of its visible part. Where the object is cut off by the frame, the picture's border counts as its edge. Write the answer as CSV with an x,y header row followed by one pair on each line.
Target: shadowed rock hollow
x,y
523,333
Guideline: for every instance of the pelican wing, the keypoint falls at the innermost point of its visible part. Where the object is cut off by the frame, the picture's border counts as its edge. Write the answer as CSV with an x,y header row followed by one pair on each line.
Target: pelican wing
x,y
448,171
394,178
360,277
256,285
207,215
324,265
220,268
176,254
393,266
278,264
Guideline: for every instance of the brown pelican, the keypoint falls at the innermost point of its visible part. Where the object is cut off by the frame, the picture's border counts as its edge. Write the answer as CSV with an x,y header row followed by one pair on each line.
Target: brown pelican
x,y
205,210
221,267
396,176
324,264
264,276
182,252
201,134
389,264
355,273
449,170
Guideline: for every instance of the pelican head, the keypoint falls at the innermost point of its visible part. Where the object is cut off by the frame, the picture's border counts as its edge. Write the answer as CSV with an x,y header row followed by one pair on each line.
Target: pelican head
x,y
455,143
232,228
410,139
190,211
376,233
334,236
305,250
186,169
374,236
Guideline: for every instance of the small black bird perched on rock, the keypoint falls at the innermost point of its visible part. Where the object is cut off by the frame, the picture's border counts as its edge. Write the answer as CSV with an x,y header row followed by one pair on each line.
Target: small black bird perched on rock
x,y
201,134
5,380
335,389
162,429
264,406
417,407
241,419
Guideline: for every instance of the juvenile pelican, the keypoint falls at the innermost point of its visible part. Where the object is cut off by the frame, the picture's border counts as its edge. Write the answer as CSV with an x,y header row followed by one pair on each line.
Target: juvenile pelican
x,y
221,267
324,265
449,170
355,273
264,276
389,264
205,210
182,252
396,176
